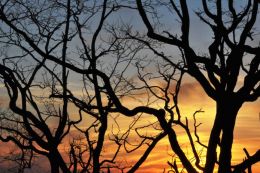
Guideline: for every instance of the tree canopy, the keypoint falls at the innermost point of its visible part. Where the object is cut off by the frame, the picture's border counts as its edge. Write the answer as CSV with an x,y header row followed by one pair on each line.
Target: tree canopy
x,y
91,83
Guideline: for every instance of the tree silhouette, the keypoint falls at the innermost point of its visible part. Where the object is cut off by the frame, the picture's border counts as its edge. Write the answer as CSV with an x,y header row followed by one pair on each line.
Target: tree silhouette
x,y
219,70
39,31
49,48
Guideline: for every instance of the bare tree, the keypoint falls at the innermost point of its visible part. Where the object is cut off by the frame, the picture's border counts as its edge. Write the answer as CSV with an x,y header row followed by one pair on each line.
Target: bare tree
x,y
56,43
229,56
47,46
31,128
11,129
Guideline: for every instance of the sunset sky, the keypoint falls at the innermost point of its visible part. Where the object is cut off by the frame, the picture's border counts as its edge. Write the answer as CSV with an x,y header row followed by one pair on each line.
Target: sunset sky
x,y
191,98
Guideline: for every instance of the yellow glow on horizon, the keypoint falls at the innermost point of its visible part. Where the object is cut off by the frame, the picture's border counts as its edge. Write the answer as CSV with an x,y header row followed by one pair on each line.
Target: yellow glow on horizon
x,y
192,98
247,129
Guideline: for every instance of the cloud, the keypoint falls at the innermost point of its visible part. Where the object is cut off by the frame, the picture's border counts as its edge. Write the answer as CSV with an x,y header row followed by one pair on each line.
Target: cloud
x,y
3,96
193,93
4,102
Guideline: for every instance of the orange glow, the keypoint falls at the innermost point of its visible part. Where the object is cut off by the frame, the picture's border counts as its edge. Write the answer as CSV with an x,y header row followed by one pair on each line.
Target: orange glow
x,y
192,98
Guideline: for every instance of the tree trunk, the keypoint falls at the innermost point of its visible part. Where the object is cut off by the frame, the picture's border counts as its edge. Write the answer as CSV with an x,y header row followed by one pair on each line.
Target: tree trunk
x,y
100,144
57,162
211,156
226,114
53,163
228,125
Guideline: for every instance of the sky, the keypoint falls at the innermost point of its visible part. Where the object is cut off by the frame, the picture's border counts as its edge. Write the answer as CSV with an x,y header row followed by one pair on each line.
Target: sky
x,y
191,98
